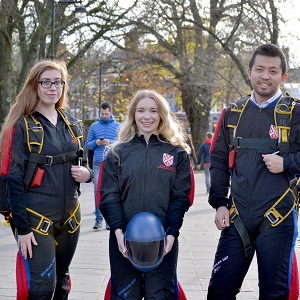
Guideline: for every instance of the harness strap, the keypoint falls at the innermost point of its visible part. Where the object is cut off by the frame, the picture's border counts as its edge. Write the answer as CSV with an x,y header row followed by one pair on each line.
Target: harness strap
x,y
241,229
278,212
44,225
53,160
255,143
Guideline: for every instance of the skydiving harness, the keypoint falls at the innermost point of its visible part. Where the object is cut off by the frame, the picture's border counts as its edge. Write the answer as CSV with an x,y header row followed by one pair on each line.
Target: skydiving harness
x,y
282,117
34,173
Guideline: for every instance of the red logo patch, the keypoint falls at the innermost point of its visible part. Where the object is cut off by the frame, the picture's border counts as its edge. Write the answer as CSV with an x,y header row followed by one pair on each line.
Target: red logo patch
x,y
272,132
168,159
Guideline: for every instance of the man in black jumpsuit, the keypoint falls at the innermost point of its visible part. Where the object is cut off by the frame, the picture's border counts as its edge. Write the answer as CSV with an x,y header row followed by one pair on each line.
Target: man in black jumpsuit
x,y
258,180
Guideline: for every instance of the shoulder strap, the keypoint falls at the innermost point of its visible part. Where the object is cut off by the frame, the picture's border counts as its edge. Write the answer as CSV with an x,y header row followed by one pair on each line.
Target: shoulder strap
x,y
34,133
234,117
283,116
74,125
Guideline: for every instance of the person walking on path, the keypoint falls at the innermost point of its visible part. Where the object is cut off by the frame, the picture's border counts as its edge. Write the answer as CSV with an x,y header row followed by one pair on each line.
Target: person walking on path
x,y
257,154
101,134
147,170
205,154
46,209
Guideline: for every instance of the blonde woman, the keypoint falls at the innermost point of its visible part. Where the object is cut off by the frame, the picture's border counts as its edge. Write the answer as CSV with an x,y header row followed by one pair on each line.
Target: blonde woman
x,y
146,170
45,208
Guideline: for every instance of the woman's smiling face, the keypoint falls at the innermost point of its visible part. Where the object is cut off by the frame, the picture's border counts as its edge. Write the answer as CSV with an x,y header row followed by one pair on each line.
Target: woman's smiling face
x,y
147,117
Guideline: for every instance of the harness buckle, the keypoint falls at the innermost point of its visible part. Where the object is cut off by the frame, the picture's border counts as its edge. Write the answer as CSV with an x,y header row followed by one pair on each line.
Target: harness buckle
x,y
44,227
49,160
233,213
238,138
273,216
72,224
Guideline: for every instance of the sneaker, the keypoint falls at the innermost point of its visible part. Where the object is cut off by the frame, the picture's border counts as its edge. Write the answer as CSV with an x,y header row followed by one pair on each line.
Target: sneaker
x,y
98,225
107,227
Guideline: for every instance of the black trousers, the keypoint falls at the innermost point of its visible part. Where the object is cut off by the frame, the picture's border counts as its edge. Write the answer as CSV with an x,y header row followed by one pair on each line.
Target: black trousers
x,y
131,284
45,276
274,250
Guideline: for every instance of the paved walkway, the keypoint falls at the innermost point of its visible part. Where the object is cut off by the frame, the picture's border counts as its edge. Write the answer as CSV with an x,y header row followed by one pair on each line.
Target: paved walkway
x,y
90,266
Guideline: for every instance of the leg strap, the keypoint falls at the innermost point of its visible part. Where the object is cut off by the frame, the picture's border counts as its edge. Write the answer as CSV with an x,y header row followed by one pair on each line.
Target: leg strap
x,y
278,212
241,229
44,225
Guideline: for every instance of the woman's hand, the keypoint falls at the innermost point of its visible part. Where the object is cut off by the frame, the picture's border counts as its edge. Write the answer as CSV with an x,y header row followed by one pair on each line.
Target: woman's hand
x,y
25,244
80,173
121,242
169,243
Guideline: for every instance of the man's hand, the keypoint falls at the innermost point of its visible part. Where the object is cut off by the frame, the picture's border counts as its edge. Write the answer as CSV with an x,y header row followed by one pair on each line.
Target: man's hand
x,y
274,163
222,218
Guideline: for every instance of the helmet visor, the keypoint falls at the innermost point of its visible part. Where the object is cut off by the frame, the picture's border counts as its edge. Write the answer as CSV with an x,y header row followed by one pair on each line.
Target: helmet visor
x,y
145,255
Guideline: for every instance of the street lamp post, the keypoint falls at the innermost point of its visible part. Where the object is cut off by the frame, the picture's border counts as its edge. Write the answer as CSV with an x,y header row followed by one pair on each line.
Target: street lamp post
x,y
100,85
80,12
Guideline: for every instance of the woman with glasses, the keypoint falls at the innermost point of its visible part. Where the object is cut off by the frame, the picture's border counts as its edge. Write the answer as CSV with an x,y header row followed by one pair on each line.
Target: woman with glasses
x,y
45,209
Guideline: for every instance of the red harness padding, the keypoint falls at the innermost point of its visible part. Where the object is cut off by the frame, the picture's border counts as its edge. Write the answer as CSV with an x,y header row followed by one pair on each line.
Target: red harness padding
x,y
216,133
181,293
21,277
294,285
6,151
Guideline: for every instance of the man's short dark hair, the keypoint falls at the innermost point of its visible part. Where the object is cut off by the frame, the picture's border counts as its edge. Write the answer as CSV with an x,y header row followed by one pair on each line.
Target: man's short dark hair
x,y
105,105
269,50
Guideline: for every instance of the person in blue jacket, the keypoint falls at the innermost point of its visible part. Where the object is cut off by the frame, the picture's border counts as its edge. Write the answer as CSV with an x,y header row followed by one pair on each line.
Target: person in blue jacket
x,y
101,134
204,152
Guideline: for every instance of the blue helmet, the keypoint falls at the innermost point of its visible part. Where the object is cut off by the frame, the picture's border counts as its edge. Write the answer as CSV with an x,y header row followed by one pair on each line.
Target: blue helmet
x,y
145,241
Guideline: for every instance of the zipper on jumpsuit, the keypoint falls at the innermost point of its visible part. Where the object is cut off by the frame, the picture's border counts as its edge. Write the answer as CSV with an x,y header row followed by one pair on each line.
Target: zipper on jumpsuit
x,y
145,177
63,150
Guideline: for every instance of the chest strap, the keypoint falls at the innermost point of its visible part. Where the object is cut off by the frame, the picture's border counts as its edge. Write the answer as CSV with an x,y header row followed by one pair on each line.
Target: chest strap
x,y
255,143
53,160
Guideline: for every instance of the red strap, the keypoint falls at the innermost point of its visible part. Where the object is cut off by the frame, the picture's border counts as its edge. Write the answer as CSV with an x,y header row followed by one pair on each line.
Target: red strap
x,y
216,133
6,151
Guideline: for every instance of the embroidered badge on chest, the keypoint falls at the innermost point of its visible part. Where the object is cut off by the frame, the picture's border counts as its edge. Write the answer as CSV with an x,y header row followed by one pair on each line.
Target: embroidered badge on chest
x,y
168,159
272,132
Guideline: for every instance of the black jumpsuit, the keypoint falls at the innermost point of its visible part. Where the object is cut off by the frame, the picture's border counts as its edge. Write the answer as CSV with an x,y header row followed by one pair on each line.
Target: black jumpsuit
x,y
156,178
47,272
254,190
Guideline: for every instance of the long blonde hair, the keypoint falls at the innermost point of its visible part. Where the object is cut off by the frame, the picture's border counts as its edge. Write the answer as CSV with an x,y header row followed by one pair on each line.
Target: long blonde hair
x,y
27,100
169,126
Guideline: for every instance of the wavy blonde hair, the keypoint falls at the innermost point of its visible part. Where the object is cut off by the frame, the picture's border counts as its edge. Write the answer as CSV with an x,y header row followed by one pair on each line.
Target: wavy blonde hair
x,y
27,100
169,126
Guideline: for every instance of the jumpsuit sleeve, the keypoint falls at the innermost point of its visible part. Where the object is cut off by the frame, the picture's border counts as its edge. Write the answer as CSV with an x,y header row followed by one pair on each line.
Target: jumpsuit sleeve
x,y
109,193
181,195
15,180
219,169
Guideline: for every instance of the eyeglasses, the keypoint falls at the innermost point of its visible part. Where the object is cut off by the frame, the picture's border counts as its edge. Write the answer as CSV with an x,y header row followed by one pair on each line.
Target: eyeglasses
x,y
47,83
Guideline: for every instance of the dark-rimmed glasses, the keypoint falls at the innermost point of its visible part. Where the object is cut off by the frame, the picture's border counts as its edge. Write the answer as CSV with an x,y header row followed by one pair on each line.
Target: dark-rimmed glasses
x,y
47,83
